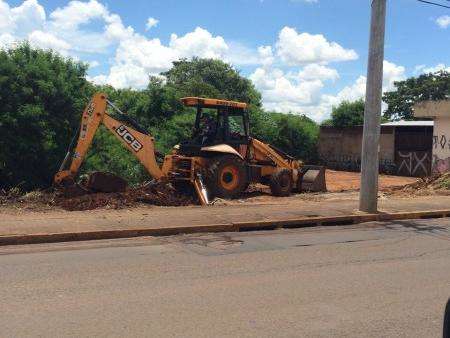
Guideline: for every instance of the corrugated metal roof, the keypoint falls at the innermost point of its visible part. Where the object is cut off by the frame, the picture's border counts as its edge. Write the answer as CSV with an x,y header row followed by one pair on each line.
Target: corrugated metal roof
x,y
409,124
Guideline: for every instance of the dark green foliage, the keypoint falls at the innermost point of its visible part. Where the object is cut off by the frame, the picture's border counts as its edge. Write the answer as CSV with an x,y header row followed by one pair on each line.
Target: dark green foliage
x,y
347,114
296,135
174,131
42,96
107,154
433,86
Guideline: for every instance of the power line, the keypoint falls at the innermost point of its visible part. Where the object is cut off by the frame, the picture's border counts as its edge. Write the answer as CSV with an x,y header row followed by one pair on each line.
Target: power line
x,y
434,3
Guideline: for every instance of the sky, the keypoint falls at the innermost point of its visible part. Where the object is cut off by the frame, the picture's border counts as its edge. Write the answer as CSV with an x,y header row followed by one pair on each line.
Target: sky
x,y
304,56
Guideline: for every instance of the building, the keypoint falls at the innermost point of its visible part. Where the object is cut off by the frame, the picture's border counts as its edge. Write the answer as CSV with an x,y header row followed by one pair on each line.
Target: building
x,y
405,147
439,111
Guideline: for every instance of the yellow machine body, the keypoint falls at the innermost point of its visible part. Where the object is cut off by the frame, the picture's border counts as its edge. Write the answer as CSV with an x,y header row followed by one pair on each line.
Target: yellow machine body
x,y
256,155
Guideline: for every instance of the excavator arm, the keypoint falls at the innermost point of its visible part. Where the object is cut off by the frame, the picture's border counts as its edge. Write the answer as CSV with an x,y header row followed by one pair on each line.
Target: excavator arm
x,y
139,143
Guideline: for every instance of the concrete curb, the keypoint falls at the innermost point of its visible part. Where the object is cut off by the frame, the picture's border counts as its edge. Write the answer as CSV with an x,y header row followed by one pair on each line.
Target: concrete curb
x,y
226,227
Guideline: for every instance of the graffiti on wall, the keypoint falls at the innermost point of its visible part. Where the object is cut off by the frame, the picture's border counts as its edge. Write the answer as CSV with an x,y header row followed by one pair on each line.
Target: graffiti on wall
x,y
441,142
349,162
413,163
441,153
407,163
388,167
441,165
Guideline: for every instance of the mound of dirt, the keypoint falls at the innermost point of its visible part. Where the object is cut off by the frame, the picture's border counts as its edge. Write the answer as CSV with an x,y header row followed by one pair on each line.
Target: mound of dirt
x,y
153,193
34,200
438,184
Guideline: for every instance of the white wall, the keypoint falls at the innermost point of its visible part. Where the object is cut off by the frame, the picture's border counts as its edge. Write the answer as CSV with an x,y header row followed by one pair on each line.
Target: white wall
x,y
441,144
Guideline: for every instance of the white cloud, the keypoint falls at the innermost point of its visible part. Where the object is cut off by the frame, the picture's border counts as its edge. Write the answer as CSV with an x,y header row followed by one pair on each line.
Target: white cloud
x,y
48,41
77,13
302,92
98,79
303,48
290,73
356,91
287,92
21,20
69,30
6,21
6,40
73,23
200,43
239,54
125,75
353,92
391,74
315,71
93,63
137,57
115,29
425,70
443,21
29,21
149,54
28,16
151,22
266,55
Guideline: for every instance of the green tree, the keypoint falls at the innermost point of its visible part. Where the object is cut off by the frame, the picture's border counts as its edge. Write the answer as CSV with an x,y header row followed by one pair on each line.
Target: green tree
x,y
296,135
432,86
174,131
41,96
211,78
347,114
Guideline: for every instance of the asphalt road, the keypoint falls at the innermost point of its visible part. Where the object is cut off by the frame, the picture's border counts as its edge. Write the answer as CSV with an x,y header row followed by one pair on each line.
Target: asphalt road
x,y
371,280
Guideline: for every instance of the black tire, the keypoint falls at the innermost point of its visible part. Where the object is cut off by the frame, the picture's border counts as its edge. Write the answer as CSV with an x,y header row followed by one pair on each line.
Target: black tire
x,y
298,186
226,177
446,329
281,183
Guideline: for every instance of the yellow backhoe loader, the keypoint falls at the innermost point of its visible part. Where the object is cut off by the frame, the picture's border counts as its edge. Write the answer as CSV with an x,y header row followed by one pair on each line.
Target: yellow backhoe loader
x,y
220,159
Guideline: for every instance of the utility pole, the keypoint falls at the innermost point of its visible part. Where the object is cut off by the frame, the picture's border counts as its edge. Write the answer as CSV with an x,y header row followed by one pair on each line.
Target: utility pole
x,y
368,196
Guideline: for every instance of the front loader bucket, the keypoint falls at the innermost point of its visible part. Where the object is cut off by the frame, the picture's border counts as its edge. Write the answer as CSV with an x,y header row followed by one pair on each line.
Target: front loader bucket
x,y
313,178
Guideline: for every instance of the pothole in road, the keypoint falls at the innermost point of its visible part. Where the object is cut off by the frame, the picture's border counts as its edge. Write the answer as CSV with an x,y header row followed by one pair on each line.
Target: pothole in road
x,y
218,242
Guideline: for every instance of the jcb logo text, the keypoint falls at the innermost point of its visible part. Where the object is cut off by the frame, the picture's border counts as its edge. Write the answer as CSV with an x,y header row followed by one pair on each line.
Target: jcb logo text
x,y
123,132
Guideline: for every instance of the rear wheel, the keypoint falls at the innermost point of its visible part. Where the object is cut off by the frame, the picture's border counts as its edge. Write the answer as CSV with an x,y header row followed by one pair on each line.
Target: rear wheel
x,y
281,183
227,177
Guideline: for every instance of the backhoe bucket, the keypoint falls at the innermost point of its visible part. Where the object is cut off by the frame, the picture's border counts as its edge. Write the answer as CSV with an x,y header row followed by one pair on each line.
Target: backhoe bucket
x,y
313,178
105,182
72,190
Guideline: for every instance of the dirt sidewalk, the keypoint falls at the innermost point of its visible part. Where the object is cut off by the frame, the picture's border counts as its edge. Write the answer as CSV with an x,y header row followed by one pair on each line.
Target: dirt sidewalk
x,y
294,207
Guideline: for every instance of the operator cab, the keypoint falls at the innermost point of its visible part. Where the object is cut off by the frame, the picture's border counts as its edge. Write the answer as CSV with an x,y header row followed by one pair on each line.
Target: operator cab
x,y
217,122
